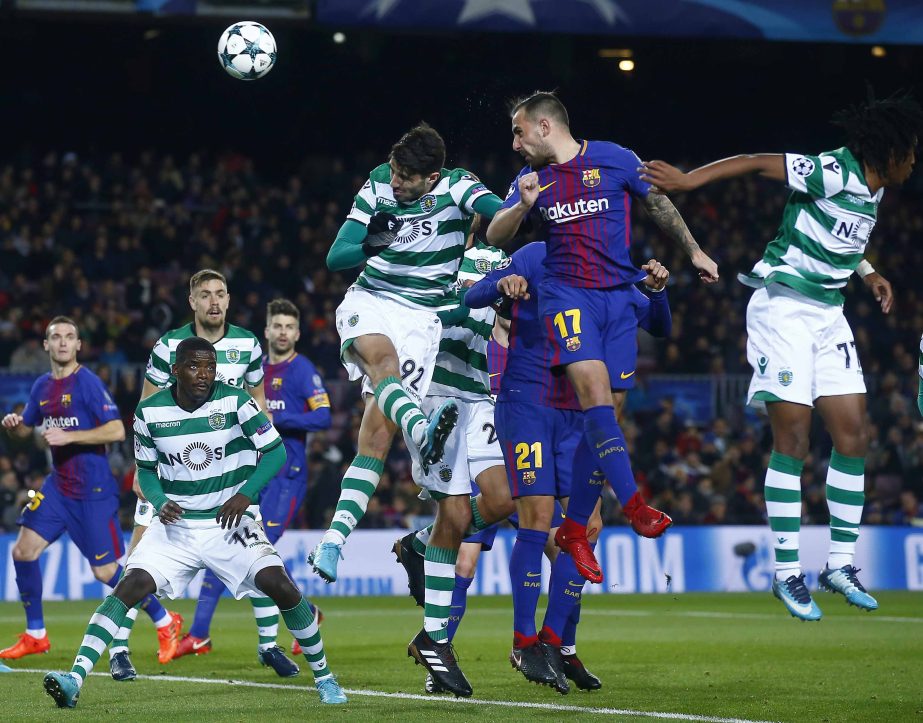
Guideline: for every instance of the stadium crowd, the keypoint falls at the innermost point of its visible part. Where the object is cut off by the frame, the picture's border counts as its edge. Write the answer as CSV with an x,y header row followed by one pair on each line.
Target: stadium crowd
x,y
112,240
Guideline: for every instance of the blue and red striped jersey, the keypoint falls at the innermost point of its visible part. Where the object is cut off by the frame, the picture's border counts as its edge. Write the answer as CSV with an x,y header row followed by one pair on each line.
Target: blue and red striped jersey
x,y
79,401
584,212
496,364
298,401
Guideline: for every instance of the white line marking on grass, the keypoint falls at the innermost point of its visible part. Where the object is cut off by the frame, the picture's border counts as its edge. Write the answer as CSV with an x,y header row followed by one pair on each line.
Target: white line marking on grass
x,y
436,700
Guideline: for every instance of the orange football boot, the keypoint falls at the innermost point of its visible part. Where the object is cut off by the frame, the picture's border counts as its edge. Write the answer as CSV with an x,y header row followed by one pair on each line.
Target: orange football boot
x,y
168,638
27,645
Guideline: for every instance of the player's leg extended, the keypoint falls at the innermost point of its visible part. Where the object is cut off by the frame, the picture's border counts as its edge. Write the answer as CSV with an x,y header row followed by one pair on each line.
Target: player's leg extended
x,y
26,551
275,583
358,486
103,625
791,424
431,648
845,417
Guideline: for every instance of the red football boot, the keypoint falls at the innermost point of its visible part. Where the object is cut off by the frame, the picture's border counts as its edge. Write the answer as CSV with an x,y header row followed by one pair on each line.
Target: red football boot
x,y
572,538
646,521
26,645
189,645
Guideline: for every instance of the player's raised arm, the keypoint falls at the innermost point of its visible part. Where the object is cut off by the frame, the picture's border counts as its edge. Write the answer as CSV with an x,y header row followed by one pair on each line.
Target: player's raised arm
x,y
505,223
669,179
665,215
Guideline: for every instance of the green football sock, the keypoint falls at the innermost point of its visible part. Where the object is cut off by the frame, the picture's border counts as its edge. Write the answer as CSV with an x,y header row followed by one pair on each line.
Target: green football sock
x,y
783,506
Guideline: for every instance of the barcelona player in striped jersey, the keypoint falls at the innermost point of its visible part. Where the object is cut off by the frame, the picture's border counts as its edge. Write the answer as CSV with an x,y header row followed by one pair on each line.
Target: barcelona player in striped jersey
x,y
81,497
579,193
540,426
298,404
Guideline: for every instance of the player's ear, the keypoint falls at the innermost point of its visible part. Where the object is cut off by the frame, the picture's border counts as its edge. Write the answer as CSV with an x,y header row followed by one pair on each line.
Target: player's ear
x,y
191,302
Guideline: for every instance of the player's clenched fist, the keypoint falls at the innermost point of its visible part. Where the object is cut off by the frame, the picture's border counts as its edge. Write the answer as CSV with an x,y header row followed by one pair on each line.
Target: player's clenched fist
x,y
11,421
657,275
528,189
514,287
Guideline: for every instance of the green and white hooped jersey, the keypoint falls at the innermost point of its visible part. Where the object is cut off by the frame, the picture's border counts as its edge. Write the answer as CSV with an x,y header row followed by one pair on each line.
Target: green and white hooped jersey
x,y
202,457
461,364
420,267
240,357
825,227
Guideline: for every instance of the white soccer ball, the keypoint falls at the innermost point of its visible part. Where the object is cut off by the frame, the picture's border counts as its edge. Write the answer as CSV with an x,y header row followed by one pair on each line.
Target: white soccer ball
x,y
247,50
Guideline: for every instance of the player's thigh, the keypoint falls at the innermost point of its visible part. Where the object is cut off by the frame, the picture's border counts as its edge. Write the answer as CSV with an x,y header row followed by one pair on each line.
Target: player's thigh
x,y
780,348
567,434
238,554
838,370
93,526
526,433
450,475
468,555
42,521
575,321
281,500
171,555
620,337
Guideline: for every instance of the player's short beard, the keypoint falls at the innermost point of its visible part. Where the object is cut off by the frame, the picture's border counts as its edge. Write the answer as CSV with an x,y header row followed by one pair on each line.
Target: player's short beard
x,y
207,323
279,351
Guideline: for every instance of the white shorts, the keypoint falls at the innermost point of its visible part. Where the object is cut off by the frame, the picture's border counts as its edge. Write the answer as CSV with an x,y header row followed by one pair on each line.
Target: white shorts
x,y
472,448
800,349
173,554
414,332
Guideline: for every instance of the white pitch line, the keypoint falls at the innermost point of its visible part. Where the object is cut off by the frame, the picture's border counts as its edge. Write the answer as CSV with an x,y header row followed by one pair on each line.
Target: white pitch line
x,y
435,700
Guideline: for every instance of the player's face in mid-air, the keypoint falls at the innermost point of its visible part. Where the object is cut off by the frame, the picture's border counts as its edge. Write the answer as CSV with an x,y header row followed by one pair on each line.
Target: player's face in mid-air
x,y
62,343
195,375
529,139
901,169
408,187
282,332
209,301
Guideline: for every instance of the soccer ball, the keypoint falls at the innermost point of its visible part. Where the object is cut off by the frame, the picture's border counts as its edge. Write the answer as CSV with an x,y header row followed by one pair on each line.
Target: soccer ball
x,y
247,50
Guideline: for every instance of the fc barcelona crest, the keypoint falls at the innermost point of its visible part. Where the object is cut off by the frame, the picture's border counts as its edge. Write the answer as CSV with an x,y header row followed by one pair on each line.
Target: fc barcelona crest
x,y
591,177
573,343
65,400
216,421
233,355
276,383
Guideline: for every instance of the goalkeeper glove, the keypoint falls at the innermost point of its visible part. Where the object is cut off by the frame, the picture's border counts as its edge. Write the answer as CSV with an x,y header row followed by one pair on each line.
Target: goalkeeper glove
x,y
382,230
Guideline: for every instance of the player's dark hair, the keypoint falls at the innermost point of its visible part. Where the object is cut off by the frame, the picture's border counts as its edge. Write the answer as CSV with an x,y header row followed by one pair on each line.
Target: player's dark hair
x,y
282,306
62,320
541,103
200,277
189,346
420,151
881,131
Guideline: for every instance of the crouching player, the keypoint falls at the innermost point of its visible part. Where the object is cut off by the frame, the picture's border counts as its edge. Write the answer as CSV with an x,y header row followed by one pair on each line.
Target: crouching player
x,y
204,452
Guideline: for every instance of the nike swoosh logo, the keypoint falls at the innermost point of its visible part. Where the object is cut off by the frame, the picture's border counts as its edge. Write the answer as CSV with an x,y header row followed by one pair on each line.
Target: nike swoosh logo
x,y
542,188
533,574
43,403
517,659
495,374
100,557
273,524
603,444
574,584
625,376
201,644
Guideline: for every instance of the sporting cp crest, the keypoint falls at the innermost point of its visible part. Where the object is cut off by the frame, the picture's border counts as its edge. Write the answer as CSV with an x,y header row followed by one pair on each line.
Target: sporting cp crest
x,y
591,177
233,355
573,343
785,377
216,421
65,400
427,203
445,474
482,265
353,320
276,383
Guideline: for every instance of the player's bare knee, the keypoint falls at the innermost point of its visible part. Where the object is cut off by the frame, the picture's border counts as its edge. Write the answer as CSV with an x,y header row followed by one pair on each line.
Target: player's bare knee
x,y
467,562
278,587
28,547
134,586
104,573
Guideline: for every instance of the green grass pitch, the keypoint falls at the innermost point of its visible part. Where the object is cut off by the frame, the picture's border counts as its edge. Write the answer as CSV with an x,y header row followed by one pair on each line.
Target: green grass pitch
x,y
672,657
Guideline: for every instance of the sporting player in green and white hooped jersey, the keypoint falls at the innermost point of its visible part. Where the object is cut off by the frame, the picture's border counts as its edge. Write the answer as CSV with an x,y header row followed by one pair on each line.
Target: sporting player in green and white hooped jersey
x,y
799,343
408,225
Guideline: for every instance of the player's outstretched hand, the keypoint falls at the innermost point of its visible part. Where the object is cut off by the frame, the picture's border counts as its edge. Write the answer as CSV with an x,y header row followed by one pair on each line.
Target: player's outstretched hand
x,y
708,269
170,513
56,437
664,178
11,421
881,288
657,275
382,230
514,287
528,189
232,511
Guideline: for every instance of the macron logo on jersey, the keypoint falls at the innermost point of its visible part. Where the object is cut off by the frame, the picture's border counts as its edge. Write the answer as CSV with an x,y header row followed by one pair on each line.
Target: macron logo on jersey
x,y
561,212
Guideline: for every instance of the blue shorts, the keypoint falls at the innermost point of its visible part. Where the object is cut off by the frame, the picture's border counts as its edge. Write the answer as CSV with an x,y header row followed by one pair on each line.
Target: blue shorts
x,y
281,500
538,445
93,524
600,324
